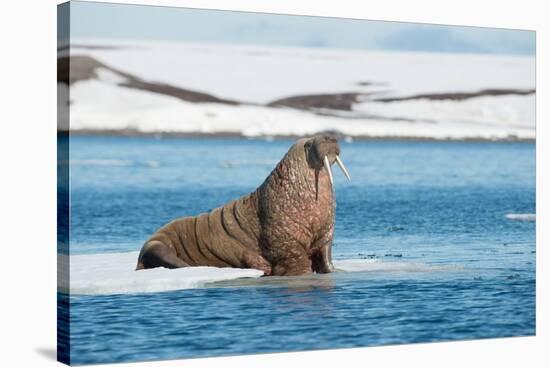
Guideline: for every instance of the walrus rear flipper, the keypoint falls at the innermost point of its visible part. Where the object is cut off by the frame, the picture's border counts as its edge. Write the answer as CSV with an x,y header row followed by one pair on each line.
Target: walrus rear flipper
x,y
155,254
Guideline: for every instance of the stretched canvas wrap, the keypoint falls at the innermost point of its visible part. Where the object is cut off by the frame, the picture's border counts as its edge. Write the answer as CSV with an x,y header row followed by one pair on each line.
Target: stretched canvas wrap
x,y
238,183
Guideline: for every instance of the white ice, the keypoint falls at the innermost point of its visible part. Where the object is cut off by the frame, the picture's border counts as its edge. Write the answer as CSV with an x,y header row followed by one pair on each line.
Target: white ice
x,y
114,273
522,216
374,265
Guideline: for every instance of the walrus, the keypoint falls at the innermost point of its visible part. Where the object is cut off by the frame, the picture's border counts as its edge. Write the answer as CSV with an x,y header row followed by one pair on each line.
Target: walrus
x,y
284,227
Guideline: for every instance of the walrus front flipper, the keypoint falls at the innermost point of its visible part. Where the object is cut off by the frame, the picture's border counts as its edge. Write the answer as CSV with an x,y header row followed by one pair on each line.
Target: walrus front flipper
x,y
155,254
292,259
321,262
321,257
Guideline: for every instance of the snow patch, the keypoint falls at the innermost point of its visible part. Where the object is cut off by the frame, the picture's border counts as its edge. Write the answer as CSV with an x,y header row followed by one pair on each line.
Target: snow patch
x,y
256,75
262,74
109,76
109,107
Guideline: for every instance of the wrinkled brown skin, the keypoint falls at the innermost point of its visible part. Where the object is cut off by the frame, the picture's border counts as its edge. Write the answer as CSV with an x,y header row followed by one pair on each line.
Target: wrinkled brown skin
x,y
285,227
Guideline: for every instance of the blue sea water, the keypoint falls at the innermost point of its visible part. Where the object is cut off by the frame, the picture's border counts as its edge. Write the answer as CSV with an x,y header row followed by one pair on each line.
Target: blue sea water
x,y
431,203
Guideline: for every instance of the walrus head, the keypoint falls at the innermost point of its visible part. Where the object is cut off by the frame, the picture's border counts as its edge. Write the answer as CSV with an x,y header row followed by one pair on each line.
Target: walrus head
x,y
297,208
321,152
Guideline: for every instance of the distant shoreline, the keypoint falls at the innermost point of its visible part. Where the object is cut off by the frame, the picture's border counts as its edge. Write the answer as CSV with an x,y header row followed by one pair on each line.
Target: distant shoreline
x,y
103,97
235,135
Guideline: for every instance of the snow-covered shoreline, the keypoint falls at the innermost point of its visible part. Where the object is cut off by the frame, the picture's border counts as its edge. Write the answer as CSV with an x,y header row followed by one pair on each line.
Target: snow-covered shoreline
x,y
205,89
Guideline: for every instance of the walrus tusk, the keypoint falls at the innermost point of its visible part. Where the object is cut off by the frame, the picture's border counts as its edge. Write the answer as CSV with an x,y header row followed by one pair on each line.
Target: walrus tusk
x,y
327,166
342,167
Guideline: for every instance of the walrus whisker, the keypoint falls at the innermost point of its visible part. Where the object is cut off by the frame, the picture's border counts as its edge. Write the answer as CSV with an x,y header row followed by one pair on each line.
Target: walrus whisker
x,y
327,166
342,167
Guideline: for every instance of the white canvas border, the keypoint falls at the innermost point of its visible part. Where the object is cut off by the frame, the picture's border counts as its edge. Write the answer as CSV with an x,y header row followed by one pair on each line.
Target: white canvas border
x,y
28,31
